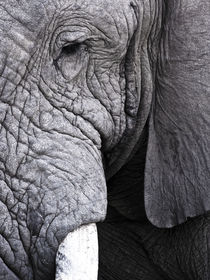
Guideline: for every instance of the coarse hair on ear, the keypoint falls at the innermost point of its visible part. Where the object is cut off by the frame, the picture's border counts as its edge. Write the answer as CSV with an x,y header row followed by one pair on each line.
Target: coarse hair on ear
x,y
139,67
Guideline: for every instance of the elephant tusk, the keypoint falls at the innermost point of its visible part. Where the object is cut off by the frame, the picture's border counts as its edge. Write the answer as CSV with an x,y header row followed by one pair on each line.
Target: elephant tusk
x,y
77,256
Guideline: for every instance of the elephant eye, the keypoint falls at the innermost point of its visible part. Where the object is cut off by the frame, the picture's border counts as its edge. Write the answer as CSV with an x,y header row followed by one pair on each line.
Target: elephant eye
x,y
73,48
71,59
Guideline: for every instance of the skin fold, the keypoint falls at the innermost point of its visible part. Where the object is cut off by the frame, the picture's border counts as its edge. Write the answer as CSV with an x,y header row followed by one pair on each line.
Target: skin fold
x,y
105,100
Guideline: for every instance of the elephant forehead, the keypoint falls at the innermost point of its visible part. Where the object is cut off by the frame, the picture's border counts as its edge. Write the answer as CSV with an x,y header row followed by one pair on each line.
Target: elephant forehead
x,y
112,18
35,15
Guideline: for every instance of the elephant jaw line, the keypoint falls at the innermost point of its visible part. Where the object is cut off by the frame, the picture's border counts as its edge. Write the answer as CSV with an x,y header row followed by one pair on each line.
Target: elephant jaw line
x,y
77,255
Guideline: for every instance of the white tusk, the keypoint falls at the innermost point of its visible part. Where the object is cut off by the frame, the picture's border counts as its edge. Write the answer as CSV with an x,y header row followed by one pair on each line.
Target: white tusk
x,y
77,256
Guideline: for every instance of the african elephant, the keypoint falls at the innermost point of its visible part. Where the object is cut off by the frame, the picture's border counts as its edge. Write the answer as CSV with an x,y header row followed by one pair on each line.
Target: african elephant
x,y
105,99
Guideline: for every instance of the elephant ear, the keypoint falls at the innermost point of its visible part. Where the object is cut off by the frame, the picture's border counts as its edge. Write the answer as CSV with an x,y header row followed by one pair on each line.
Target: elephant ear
x,y
177,172
139,72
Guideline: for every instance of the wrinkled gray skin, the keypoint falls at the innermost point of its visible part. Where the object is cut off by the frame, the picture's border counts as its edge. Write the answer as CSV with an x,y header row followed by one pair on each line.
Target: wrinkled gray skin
x,y
62,102
84,85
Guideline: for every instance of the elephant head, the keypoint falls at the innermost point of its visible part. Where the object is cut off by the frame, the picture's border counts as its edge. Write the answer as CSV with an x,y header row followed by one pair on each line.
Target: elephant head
x,y
70,95
82,85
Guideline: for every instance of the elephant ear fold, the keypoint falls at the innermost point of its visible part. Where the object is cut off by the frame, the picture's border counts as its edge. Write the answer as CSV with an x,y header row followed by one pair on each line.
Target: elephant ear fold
x,y
139,83
177,172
